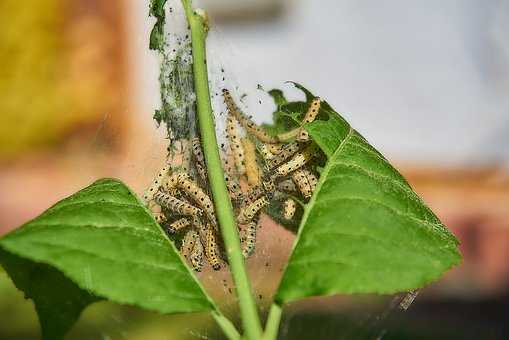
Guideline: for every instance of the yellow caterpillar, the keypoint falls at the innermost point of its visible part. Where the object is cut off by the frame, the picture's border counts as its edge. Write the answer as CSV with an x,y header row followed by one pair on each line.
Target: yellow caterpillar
x,y
193,190
178,225
306,181
252,169
156,183
246,122
175,205
248,212
235,144
289,209
211,248
196,256
188,242
298,160
287,151
309,118
287,186
249,243
299,132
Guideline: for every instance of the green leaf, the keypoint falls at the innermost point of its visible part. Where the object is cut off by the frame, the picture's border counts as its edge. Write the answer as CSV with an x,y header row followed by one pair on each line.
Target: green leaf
x,y
98,243
364,230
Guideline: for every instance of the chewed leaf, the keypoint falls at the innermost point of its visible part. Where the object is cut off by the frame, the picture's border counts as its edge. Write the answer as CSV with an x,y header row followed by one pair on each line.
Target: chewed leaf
x,y
365,230
98,243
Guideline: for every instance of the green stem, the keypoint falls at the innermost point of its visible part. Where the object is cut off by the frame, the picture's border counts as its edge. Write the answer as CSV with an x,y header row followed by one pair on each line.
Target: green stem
x,y
226,326
273,320
224,210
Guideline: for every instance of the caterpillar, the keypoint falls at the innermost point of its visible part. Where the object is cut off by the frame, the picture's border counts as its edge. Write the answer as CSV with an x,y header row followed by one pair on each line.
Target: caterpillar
x,y
178,225
235,144
289,209
248,212
200,159
298,160
175,205
233,187
265,151
299,132
305,181
193,190
245,121
188,242
196,256
309,118
156,183
287,151
249,243
211,248
252,169
155,209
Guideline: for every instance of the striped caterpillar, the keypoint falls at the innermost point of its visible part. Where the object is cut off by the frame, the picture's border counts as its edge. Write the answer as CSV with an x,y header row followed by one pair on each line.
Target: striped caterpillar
x,y
251,127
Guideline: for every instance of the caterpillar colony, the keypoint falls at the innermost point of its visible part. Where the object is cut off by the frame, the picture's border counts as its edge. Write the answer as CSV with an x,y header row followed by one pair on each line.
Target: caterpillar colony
x,y
259,168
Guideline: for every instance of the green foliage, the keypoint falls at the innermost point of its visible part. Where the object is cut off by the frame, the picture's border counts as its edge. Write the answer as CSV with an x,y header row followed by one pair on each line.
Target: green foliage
x,y
157,37
364,230
98,243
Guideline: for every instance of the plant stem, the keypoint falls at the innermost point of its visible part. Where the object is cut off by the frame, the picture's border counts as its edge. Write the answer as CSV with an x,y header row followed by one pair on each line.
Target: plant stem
x,y
272,324
224,210
226,326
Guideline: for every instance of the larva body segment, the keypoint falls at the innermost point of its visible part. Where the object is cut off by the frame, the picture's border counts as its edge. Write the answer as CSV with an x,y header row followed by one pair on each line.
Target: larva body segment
x,y
179,224
148,195
175,205
235,144
196,256
248,246
296,162
289,209
233,187
248,212
212,249
305,181
246,122
286,152
252,169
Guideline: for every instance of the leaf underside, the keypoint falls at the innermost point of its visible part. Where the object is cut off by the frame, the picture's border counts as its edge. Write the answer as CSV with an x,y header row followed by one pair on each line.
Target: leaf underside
x,y
364,230
98,243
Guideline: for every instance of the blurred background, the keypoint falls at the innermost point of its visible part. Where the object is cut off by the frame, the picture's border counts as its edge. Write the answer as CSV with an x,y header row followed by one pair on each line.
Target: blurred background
x,y
425,82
